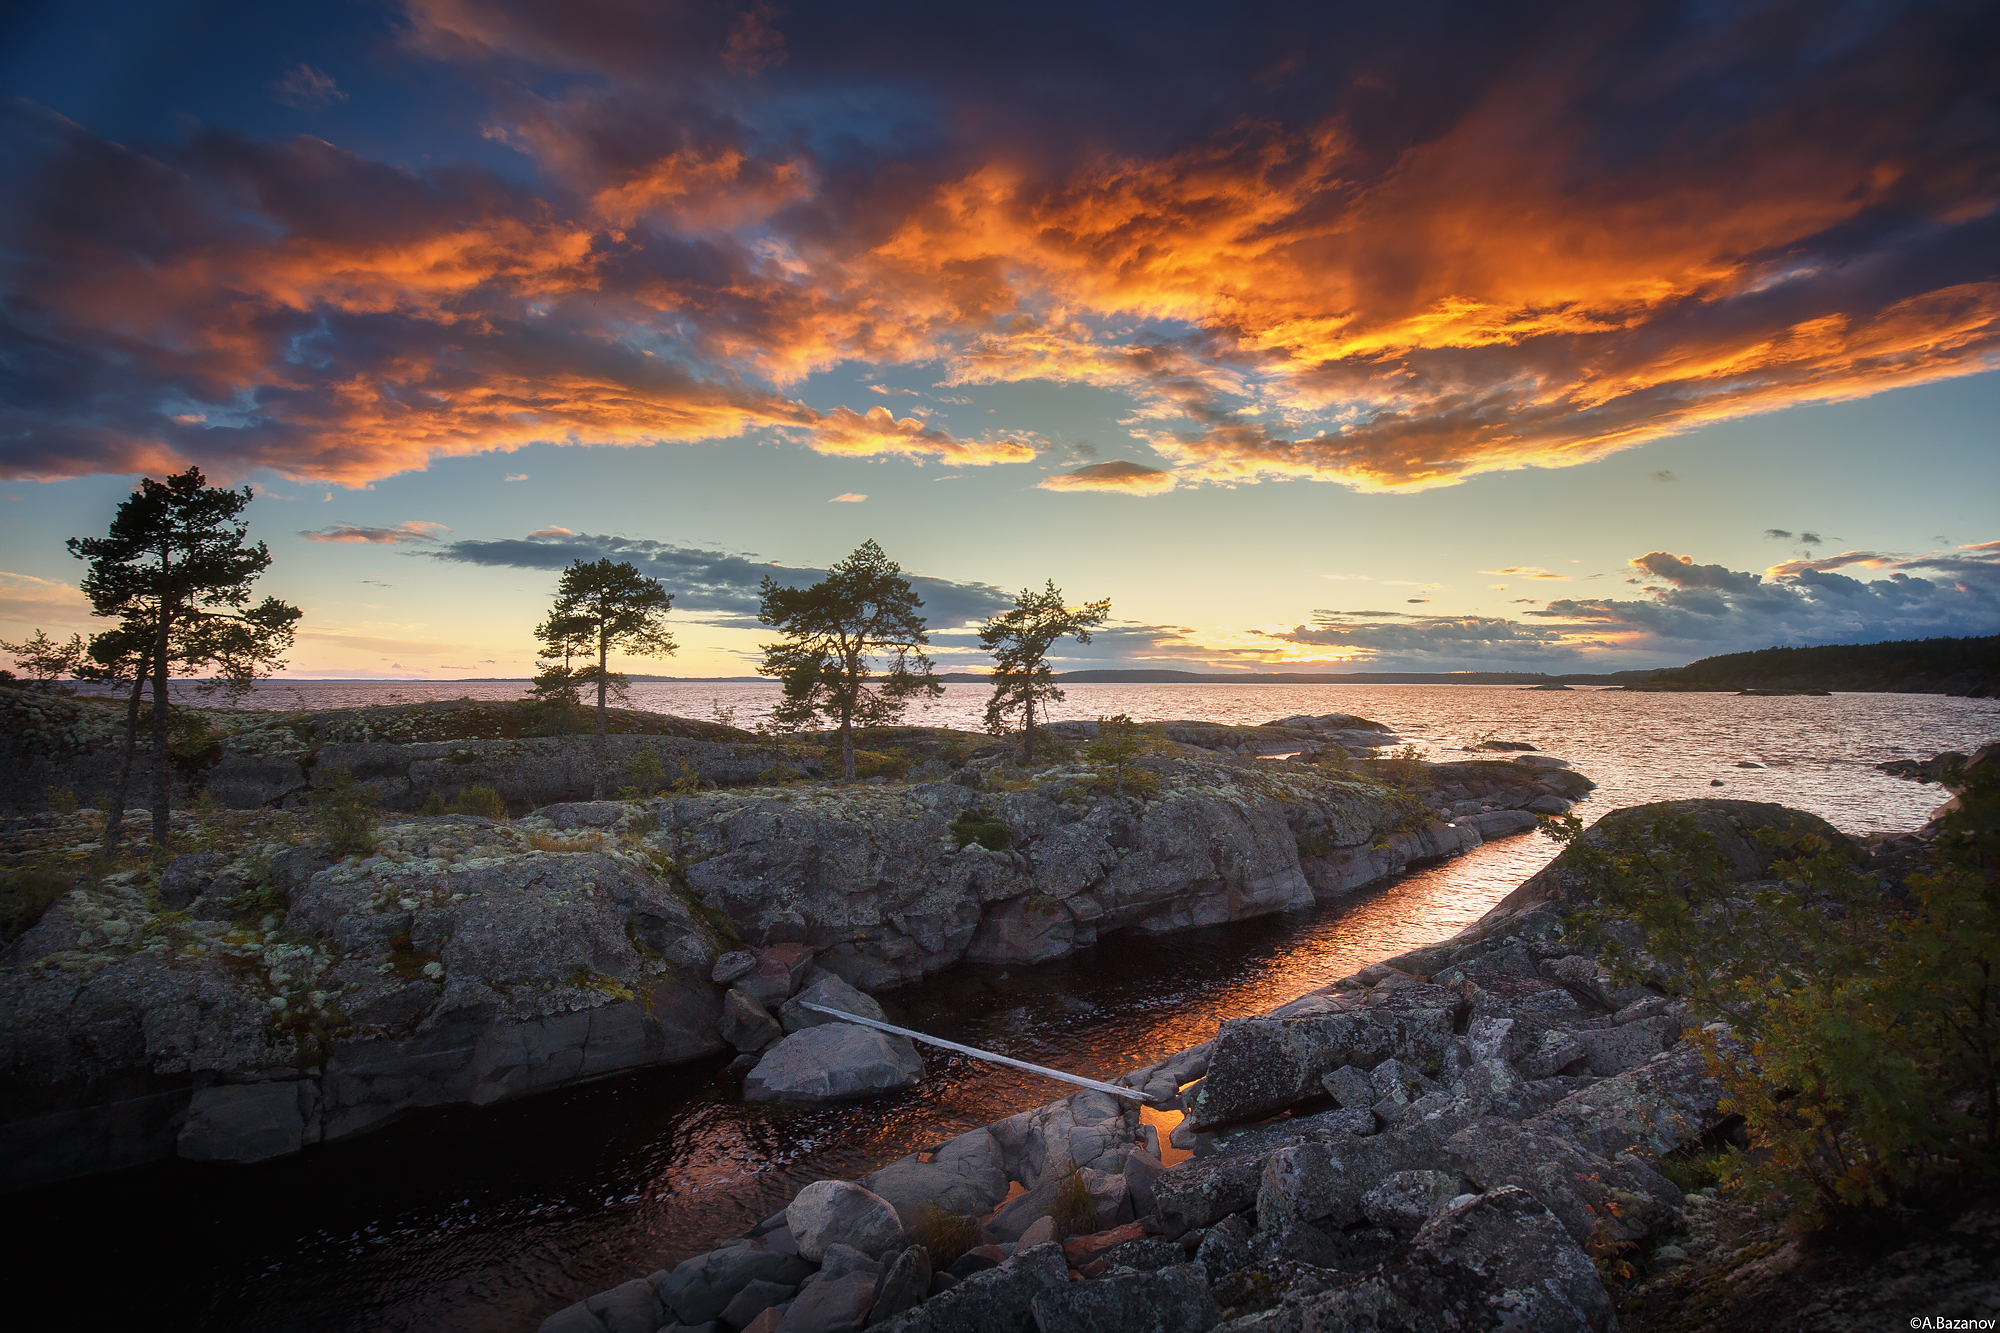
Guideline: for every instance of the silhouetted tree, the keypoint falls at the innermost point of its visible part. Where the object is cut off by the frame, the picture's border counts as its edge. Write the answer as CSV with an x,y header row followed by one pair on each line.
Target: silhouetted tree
x,y
174,570
604,606
1019,640
45,660
864,609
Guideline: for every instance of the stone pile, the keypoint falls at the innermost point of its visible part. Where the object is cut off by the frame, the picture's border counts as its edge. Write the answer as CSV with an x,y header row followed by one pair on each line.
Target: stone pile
x,y
1446,1140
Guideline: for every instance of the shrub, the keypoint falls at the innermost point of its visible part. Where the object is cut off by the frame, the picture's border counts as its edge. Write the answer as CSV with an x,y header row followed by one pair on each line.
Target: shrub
x,y
345,812
946,1235
1074,1211
976,826
26,894
1861,1033
1116,751
1401,770
647,772
476,800
880,764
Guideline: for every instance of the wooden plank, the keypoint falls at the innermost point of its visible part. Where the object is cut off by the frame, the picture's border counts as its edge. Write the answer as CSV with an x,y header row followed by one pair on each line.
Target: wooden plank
x,y
977,1054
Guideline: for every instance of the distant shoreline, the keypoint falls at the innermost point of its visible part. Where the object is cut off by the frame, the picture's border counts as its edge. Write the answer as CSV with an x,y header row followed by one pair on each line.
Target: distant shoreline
x,y
1104,677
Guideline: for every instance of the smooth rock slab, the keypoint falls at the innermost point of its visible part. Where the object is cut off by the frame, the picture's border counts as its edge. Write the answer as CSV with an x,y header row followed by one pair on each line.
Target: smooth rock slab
x,y
1170,1300
829,1213
833,1062
249,1122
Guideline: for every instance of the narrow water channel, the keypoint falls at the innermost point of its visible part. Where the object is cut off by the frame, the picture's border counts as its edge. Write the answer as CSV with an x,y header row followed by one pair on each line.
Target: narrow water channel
x,y
485,1220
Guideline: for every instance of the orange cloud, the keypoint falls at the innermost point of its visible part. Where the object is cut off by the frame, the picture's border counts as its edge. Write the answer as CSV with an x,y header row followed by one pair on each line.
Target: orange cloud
x,y
847,433
1385,281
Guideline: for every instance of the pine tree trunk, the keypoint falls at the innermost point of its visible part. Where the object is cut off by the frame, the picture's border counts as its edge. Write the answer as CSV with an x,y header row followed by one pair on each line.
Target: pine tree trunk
x,y
163,835
1030,714
603,660
847,744
114,819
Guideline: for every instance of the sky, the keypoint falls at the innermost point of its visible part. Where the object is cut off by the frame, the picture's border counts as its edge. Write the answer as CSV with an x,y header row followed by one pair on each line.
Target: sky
x,y
1425,337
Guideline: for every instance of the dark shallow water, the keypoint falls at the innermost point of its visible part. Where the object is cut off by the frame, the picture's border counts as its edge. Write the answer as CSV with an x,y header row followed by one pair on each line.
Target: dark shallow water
x,y
476,1220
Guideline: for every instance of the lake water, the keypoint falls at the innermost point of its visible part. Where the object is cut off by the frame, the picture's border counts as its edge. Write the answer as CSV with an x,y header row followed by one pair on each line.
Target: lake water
x,y
482,1220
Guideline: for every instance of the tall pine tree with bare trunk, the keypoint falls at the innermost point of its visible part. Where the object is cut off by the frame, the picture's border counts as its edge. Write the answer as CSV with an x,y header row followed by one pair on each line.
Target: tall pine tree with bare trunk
x,y
174,571
602,607
1019,640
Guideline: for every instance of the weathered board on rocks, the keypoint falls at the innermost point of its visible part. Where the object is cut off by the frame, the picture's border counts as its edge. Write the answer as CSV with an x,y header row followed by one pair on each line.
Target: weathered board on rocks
x,y
1460,1185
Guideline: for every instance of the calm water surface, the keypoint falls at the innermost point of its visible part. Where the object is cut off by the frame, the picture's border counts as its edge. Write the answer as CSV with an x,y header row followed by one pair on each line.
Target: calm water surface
x,y
491,1219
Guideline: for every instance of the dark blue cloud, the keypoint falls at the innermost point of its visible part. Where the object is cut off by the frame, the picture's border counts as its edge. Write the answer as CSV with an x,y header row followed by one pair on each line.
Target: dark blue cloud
x,y
714,585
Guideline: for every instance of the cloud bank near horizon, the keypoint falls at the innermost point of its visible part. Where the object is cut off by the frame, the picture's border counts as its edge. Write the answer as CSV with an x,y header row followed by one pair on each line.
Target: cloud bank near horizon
x,y
1683,610
1688,610
1386,249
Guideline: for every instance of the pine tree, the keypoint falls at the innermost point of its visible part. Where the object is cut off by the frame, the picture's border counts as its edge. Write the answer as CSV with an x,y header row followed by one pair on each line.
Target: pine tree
x,y
175,573
604,606
1020,640
864,609
44,659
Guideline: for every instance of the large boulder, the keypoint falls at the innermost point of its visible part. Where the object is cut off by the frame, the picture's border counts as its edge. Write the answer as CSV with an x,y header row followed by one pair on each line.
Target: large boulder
x,y
631,1307
1085,1129
1171,1300
1655,1107
1260,1065
1202,1190
903,1286
832,1305
1403,1201
1328,1181
701,1288
966,1176
833,1062
746,1024
827,989
1621,1199
1495,1262
840,1212
998,1300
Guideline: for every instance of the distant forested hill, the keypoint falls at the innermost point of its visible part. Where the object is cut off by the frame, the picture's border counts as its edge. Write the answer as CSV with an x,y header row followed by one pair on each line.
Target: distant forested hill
x,y
1964,667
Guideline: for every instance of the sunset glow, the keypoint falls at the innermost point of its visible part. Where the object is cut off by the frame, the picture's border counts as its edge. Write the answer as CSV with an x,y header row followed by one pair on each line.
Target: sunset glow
x,y
1192,310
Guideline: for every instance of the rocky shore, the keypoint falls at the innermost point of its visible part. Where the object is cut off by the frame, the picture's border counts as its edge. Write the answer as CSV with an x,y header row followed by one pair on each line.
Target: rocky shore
x,y
1467,1136
254,996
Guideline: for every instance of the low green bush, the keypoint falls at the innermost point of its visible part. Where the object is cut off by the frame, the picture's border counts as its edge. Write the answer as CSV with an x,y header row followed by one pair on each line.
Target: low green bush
x,y
976,826
26,894
880,764
1116,752
1857,1033
345,812
479,801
